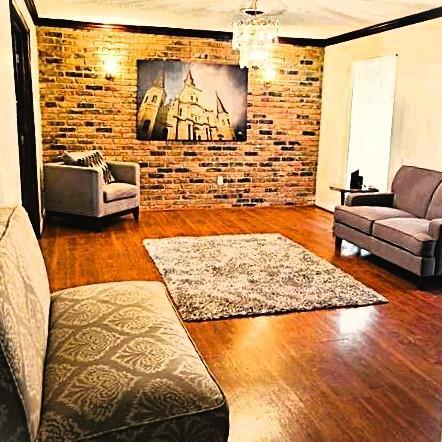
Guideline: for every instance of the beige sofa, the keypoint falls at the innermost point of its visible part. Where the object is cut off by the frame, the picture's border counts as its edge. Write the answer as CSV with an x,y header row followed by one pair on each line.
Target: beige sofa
x,y
403,226
104,362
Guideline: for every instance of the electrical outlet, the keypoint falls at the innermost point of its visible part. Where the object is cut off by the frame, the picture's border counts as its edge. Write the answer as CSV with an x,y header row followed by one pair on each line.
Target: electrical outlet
x,y
220,181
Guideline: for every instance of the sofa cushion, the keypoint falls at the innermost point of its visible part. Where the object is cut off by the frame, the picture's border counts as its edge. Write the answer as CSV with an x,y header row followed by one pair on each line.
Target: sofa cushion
x,y
363,217
24,316
435,206
407,233
413,189
120,366
119,191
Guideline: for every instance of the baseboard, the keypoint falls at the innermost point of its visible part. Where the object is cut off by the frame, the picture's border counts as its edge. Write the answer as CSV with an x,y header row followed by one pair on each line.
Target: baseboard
x,y
328,207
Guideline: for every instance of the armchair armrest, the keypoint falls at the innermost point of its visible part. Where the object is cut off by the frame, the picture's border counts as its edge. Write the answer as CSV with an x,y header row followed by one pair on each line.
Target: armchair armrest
x,y
125,172
73,189
435,228
370,199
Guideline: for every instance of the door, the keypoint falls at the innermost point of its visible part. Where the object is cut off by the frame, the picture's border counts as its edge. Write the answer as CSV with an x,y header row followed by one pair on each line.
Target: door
x,y
25,119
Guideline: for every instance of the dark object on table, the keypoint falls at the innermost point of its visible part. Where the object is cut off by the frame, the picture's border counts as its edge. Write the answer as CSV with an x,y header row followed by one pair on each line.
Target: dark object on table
x,y
403,226
356,180
345,190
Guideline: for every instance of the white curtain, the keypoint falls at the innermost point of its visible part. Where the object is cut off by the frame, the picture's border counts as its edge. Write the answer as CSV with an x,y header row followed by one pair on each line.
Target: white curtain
x,y
371,120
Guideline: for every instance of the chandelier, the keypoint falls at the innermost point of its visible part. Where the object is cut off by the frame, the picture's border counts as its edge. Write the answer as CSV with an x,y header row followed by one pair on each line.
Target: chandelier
x,y
255,35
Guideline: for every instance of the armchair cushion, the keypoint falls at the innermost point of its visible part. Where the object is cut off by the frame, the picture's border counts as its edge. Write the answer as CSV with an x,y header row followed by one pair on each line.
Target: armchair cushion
x,y
125,172
119,191
370,199
363,217
407,233
120,366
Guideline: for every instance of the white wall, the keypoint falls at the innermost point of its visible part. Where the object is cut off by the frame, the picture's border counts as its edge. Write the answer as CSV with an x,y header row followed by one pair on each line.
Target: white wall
x,y
417,121
10,192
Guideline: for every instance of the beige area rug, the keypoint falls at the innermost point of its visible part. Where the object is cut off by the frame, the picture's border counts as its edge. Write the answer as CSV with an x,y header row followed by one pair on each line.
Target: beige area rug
x,y
213,277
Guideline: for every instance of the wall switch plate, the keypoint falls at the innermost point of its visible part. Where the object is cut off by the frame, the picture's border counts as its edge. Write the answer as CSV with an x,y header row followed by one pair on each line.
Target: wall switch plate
x,y
220,181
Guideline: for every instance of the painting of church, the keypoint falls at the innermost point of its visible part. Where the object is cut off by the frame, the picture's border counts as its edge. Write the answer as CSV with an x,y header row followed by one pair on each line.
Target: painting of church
x,y
191,101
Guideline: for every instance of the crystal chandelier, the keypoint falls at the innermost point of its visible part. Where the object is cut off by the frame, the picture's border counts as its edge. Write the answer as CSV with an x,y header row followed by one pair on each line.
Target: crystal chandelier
x,y
255,34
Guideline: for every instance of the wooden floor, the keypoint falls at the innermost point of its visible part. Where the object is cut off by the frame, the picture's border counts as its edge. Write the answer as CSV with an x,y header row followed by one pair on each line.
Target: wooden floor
x,y
362,374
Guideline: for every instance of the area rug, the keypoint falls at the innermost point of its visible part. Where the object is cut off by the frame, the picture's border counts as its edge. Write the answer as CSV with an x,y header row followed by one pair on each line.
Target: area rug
x,y
213,277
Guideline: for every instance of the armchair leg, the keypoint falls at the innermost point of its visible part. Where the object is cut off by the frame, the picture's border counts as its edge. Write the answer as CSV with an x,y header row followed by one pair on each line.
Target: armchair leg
x,y
338,244
136,214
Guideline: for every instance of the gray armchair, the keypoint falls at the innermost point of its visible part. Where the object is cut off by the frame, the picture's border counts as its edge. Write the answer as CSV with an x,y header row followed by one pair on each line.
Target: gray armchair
x,y
81,191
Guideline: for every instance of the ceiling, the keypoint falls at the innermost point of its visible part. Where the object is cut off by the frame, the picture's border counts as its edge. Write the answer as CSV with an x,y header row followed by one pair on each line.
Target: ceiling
x,y
298,18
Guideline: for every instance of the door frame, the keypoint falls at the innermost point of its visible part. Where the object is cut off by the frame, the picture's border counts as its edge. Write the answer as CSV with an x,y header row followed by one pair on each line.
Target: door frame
x,y
20,35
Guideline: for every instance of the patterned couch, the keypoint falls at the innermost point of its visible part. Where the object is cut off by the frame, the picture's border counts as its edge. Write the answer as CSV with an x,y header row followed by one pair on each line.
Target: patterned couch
x,y
103,362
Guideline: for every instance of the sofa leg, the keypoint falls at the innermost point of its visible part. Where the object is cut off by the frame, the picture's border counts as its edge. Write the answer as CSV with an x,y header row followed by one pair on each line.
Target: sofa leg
x,y
98,224
423,283
136,214
338,244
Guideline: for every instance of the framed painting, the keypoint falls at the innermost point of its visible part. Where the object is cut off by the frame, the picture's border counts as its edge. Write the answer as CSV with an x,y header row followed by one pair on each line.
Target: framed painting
x,y
191,101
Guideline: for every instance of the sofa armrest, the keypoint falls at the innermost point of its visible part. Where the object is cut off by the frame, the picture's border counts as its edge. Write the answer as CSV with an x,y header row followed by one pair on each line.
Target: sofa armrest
x,y
370,199
73,189
435,228
125,172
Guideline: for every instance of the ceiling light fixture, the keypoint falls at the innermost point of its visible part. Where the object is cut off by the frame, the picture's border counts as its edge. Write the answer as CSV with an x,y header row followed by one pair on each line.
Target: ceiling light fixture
x,y
255,35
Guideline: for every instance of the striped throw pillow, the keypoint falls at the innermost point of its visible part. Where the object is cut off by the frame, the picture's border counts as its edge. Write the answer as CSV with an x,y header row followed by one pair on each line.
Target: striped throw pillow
x,y
89,158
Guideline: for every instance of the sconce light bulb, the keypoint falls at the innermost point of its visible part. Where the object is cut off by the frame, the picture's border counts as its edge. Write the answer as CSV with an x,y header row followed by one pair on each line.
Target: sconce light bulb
x,y
111,67
269,73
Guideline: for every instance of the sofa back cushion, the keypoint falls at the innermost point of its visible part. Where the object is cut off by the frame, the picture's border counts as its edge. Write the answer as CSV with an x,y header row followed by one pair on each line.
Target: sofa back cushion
x,y
413,189
435,206
24,317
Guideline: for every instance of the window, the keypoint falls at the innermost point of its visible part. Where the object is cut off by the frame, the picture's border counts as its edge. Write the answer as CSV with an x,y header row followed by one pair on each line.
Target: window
x,y
371,120
154,99
180,111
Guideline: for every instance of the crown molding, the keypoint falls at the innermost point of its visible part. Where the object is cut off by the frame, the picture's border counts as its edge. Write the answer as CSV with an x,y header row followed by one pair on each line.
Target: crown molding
x,y
173,32
386,26
227,36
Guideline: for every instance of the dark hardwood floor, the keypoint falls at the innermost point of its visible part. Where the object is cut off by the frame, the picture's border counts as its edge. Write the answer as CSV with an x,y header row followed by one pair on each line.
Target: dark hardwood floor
x,y
359,374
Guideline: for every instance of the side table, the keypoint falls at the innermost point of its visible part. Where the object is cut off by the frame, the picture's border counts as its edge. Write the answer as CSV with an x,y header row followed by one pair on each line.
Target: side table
x,y
345,190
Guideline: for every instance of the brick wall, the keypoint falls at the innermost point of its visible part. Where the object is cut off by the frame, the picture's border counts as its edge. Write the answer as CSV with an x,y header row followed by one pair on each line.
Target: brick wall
x,y
81,109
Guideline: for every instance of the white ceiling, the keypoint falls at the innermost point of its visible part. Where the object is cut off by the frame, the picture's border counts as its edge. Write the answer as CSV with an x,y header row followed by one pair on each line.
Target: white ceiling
x,y
298,18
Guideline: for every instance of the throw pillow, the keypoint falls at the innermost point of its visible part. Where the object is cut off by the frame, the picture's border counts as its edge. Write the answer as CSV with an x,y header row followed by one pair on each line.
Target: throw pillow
x,y
89,158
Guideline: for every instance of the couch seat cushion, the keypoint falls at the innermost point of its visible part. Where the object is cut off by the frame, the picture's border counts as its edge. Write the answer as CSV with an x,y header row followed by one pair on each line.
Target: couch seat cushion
x,y
120,366
407,233
363,217
119,191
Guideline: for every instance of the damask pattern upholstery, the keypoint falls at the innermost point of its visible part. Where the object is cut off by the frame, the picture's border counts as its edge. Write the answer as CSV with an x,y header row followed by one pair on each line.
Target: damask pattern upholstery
x,y
24,316
120,366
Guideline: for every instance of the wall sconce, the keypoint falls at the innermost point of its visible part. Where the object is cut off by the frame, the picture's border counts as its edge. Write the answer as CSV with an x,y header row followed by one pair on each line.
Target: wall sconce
x,y
268,74
111,67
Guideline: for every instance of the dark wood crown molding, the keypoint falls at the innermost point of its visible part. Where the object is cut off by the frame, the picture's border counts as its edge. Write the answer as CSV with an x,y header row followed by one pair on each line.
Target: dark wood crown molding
x,y
32,11
173,32
227,36
386,26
